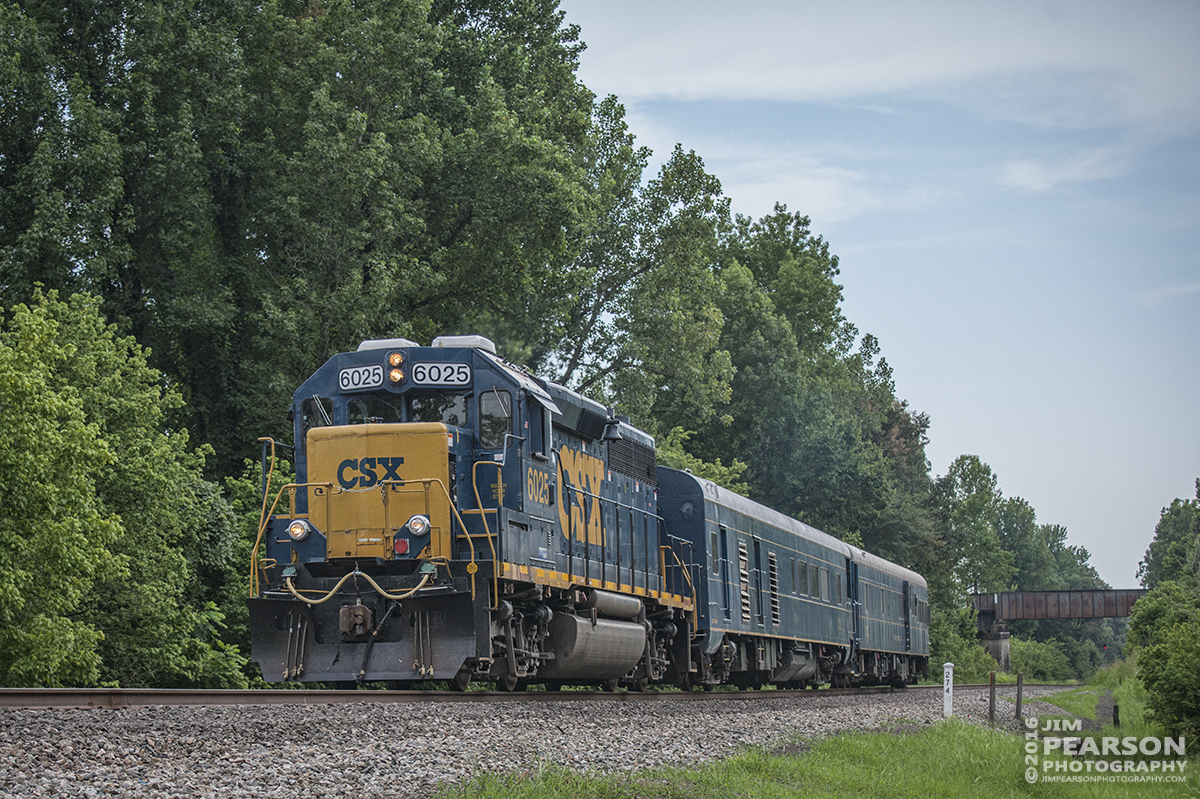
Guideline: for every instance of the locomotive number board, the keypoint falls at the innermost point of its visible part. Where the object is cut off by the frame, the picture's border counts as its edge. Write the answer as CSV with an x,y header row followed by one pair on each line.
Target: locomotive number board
x,y
441,374
360,378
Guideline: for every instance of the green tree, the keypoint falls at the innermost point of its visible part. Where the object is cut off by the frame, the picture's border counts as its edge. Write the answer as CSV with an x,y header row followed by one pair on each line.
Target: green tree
x,y
952,639
251,187
805,407
146,581
1170,670
1173,553
641,327
670,452
1020,535
1164,625
971,499
1168,605
162,624
1040,660
55,533
905,530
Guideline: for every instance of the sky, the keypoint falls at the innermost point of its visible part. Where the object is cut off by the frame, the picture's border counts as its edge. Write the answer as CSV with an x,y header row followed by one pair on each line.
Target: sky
x,y
1013,192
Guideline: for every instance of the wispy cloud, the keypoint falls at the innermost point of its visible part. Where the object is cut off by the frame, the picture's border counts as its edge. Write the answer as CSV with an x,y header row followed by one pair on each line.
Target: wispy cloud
x,y
1128,63
1166,294
1044,175
824,192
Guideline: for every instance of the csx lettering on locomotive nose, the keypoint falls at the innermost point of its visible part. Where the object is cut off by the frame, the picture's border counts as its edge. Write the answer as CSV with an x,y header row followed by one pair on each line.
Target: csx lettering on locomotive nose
x,y
368,471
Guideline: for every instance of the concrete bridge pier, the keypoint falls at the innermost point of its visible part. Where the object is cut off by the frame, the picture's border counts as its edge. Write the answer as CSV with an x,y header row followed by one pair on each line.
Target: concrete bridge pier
x,y
995,643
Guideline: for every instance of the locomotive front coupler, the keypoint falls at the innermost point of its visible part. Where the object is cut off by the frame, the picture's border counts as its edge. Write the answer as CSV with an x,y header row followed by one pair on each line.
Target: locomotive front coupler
x,y
393,605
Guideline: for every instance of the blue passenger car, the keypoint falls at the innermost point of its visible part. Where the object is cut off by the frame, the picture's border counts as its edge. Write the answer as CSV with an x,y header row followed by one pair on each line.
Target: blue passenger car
x,y
784,603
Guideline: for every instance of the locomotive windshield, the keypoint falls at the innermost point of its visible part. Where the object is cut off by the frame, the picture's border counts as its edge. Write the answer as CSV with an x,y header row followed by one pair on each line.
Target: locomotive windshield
x,y
440,406
373,410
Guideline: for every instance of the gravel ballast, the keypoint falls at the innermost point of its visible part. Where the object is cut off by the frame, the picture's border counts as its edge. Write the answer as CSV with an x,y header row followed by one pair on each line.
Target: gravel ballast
x,y
404,750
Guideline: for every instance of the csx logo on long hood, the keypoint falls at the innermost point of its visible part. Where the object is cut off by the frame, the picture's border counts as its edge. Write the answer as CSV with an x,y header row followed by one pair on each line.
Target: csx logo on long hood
x,y
367,472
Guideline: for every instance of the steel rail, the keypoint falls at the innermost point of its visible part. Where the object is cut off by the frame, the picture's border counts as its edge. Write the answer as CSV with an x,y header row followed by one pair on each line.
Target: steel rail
x,y
124,698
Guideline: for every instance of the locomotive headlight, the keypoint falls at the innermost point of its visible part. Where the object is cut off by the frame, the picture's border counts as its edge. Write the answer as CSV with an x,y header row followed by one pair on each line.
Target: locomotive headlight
x,y
418,525
395,361
299,530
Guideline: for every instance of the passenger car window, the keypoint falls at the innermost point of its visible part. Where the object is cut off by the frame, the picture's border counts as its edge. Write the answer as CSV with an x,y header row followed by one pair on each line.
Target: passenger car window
x,y
495,417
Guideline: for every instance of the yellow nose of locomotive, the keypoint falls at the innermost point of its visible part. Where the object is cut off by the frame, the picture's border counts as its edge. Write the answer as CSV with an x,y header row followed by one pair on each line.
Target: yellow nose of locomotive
x,y
373,480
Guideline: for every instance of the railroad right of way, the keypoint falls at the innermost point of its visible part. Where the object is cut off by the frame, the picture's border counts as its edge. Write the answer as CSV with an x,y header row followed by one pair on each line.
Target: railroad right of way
x,y
404,750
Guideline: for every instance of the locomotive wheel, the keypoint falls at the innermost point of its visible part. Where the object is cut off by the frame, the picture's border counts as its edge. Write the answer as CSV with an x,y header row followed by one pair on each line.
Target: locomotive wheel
x,y
507,683
610,685
461,681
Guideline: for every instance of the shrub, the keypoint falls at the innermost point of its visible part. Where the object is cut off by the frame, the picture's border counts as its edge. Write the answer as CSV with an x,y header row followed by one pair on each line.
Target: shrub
x,y
1040,660
1170,670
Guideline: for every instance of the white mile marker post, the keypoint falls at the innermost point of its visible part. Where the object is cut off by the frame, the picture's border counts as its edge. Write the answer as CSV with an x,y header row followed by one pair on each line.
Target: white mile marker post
x,y
948,690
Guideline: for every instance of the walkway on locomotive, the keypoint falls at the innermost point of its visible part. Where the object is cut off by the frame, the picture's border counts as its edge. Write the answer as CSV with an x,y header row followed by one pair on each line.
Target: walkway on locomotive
x,y
505,468
771,575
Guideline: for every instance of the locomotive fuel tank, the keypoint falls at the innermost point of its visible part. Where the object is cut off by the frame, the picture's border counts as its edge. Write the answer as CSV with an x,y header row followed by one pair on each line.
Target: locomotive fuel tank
x,y
587,648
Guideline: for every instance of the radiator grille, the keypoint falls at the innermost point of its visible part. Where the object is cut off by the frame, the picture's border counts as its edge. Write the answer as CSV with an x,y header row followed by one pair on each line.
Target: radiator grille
x,y
633,459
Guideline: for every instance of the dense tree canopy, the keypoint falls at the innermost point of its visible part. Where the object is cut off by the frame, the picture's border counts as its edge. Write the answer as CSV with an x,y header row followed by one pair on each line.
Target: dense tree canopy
x,y
253,187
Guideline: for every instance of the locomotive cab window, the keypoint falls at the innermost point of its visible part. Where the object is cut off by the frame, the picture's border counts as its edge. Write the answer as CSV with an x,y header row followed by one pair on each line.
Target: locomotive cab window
x,y
315,412
444,407
536,427
495,417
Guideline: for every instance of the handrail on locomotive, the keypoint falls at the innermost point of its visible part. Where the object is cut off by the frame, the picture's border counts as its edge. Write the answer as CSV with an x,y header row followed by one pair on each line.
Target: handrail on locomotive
x,y
666,585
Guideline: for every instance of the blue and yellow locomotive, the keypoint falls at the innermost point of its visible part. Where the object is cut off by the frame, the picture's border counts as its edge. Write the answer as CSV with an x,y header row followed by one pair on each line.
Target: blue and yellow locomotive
x,y
455,518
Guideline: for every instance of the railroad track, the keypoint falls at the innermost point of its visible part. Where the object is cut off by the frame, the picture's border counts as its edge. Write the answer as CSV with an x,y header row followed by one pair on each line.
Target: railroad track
x,y
118,698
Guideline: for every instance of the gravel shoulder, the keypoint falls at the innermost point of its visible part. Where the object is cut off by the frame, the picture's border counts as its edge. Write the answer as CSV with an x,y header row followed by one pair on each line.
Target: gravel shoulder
x,y
404,750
